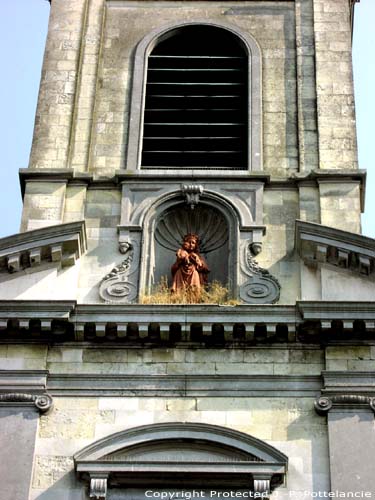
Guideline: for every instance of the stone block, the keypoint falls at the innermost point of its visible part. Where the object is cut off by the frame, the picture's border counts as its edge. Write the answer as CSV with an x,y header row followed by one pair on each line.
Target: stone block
x,y
306,356
346,353
298,369
215,355
337,364
257,355
96,355
168,355
48,470
245,369
191,368
357,365
27,352
122,404
187,404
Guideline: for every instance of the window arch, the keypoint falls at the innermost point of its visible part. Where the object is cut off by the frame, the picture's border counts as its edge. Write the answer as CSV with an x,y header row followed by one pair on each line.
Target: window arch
x,y
196,100
195,112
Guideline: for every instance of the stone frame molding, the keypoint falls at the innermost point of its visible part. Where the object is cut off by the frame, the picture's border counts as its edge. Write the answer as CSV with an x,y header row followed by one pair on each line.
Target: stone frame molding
x,y
144,203
227,456
138,92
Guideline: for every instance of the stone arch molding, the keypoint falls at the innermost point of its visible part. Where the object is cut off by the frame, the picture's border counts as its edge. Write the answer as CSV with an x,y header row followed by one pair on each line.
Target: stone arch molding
x,y
181,456
144,203
143,50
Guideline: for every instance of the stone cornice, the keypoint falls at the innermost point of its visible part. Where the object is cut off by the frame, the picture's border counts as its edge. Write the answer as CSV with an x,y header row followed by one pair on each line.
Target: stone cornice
x,y
51,316
348,382
59,243
72,177
346,390
188,325
318,244
64,385
23,380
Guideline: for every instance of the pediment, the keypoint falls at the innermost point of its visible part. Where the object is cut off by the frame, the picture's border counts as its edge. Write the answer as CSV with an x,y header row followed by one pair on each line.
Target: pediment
x,y
189,454
318,245
181,450
62,243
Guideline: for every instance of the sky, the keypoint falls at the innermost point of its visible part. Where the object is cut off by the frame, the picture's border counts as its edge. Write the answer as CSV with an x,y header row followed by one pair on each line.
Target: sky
x,y
23,29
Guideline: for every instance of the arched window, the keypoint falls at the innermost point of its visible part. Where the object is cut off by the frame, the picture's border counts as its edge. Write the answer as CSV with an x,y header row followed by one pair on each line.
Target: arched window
x,y
196,107
196,99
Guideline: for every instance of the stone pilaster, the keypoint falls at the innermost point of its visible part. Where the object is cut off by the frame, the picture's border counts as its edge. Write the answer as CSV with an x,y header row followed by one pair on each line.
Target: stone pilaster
x,y
334,84
57,93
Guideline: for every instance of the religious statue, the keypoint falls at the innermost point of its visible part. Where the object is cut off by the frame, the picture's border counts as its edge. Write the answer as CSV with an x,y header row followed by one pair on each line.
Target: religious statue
x,y
190,270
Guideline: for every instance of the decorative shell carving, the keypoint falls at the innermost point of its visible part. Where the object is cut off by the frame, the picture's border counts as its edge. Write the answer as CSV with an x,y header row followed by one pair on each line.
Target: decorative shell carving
x,y
208,223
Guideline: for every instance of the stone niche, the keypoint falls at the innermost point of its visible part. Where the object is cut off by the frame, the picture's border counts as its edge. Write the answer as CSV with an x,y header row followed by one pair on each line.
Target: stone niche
x,y
205,220
156,214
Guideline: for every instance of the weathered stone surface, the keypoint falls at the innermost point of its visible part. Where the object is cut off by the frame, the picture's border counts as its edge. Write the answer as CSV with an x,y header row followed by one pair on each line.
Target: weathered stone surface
x,y
17,443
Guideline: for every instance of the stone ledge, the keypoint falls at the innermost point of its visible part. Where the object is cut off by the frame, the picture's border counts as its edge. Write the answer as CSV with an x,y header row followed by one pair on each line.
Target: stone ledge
x,y
149,326
349,382
62,243
184,385
23,380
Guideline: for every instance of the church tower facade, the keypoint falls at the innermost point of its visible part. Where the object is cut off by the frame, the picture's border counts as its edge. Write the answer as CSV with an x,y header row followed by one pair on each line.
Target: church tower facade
x,y
188,310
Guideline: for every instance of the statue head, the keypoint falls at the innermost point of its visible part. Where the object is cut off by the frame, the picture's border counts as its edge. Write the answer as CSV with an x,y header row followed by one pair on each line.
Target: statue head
x,y
190,242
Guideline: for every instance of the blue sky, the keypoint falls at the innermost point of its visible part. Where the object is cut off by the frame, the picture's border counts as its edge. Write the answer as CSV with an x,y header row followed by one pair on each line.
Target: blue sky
x,y
23,27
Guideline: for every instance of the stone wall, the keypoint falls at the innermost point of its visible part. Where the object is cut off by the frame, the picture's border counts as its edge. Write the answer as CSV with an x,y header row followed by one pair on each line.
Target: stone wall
x,y
288,423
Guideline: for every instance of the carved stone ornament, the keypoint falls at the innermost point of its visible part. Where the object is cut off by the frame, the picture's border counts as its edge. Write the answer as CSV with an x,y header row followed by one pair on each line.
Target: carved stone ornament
x,y
116,286
262,486
43,402
98,488
262,287
324,404
192,194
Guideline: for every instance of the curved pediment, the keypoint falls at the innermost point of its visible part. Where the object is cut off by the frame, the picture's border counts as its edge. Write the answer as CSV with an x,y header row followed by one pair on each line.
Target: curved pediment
x,y
181,454
146,437
181,450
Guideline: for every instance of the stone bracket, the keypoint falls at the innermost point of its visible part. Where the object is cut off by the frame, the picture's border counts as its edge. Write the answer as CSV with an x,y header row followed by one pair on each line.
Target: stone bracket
x,y
262,287
98,488
192,193
262,486
116,286
324,404
43,402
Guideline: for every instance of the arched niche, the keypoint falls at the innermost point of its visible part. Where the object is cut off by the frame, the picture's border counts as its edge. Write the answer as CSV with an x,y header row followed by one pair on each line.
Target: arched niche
x,y
204,220
179,456
215,221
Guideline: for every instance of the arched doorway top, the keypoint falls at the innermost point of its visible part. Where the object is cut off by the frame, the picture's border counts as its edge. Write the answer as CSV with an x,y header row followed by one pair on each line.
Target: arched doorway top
x,y
181,455
148,435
